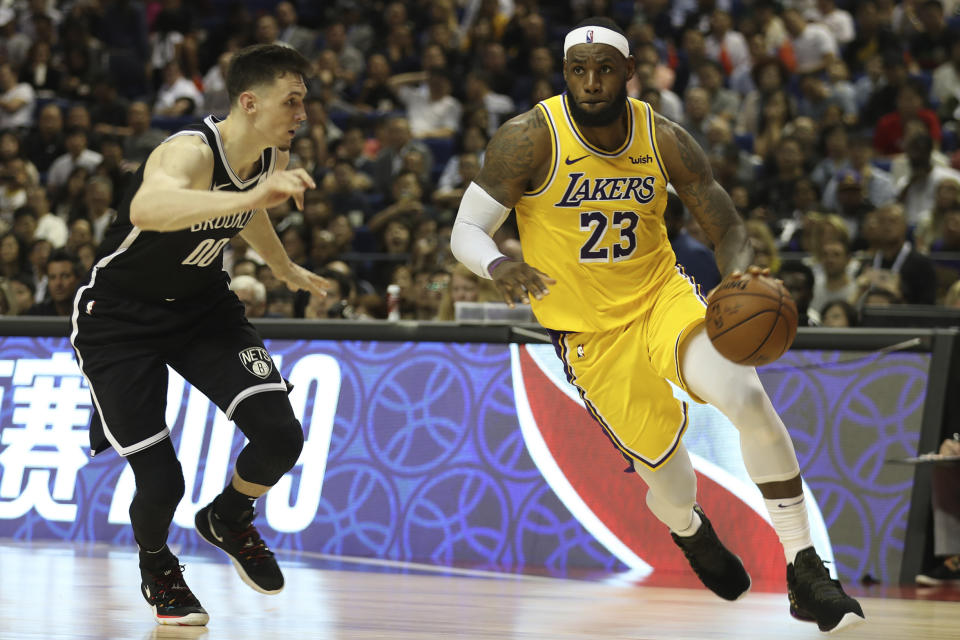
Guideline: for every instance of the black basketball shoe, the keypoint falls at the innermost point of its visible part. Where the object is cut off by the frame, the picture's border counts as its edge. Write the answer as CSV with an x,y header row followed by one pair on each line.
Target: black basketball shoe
x,y
816,597
170,597
242,542
718,569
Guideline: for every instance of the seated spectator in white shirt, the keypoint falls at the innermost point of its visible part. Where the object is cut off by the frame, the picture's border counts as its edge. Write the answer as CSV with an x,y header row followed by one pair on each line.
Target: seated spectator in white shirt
x,y
432,111
77,155
16,100
814,46
177,96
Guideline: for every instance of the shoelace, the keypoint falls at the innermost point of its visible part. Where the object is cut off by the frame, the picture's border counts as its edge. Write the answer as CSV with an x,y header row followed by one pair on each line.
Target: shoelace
x,y
252,546
171,586
821,584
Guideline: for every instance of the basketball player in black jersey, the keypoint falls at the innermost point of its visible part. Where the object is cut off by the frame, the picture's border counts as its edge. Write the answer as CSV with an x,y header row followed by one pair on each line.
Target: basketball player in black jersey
x,y
158,296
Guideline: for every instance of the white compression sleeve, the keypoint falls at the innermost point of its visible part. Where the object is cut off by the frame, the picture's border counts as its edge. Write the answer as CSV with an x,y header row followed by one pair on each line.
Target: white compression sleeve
x,y
478,218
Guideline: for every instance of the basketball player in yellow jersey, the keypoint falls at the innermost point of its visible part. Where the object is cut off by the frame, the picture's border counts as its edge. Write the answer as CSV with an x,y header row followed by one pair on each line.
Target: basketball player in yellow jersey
x,y
587,172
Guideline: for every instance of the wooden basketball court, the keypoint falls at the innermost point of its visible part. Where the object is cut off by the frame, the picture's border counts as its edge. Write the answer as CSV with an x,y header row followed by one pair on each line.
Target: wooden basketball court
x,y
61,591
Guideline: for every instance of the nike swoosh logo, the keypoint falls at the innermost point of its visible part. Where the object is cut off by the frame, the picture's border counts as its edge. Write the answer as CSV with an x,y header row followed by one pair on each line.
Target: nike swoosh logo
x,y
792,504
212,529
218,187
575,160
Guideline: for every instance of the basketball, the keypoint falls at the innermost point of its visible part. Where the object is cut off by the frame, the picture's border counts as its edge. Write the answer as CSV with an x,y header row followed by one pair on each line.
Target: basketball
x,y
752,320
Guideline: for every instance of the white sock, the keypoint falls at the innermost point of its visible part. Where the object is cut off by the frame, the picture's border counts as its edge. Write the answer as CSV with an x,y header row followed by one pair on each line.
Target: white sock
x,y
691,528
789,516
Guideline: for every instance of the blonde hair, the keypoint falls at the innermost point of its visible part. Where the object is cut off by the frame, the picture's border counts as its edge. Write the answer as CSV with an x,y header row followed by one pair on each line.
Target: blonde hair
x,y
952,298
761,231
486,291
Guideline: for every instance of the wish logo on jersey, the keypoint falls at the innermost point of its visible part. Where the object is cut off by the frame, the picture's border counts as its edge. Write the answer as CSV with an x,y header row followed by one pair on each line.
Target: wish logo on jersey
x,y
257,361
579,189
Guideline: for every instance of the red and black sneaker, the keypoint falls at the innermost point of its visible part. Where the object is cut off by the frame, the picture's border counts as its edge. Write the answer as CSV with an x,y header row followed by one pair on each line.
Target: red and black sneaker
x,y
170,598
242,543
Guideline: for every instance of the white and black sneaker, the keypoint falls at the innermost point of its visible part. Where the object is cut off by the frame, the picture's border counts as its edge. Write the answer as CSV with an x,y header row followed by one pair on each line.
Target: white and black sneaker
x,y
816,597
242,543
170,598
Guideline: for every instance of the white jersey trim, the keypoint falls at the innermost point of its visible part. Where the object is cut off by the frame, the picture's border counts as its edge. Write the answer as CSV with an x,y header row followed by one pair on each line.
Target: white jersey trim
x,y
211,122
250,391
104,261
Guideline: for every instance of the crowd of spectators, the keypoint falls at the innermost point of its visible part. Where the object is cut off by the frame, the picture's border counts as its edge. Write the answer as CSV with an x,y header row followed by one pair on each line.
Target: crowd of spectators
x,y
832,124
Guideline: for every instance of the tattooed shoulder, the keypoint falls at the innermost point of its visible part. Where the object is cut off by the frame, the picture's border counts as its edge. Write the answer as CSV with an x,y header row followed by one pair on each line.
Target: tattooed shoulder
x,y
517,148
678,145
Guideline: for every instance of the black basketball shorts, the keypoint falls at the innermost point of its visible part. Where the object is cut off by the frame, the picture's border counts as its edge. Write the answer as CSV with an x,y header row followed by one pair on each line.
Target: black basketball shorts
x,y
123,347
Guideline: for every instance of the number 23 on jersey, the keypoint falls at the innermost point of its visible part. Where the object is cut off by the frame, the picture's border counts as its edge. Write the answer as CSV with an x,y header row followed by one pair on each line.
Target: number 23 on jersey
x,y
595,223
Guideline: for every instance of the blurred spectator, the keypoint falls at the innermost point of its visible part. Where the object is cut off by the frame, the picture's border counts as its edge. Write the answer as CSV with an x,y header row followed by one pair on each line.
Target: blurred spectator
x,y
14,182
696,260
348,57
429,287
81,232
78,155
49,225
63,278
769,77
945,88
86,254
13,255
333,305
16,100
22,289
280,303
39,72
849,199
833,277
725,44
477,91
541,66
465,286
25,224
432,111
348,190
775,191
798,280
251,293
141,138
177,95
813,45
44,143
775,112
375,92
467,166
397,142
917,189
97,197
696,114
888,137
291,32
838,21
952,299
215,98
765,252
893,258
877,184
723,102
839,313
886,90
931,47
14,44
873,37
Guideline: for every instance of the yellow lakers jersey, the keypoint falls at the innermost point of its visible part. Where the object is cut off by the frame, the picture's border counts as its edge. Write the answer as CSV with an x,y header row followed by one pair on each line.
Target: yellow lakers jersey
x,y
596,224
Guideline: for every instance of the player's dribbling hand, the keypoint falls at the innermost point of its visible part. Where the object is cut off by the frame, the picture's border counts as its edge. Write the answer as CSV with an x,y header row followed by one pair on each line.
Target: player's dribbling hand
x,y
517,280
298,278
752,270
282,185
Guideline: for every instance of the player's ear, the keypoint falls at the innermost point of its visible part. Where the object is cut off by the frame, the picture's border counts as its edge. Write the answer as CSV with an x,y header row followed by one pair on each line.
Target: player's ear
x,y
248,102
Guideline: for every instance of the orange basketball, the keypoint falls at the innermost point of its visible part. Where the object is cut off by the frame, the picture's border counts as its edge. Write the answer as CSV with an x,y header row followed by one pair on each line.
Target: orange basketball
x,y
752,320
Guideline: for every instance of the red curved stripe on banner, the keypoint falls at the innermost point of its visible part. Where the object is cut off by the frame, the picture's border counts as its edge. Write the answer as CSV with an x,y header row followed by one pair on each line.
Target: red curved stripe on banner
x,y
595,470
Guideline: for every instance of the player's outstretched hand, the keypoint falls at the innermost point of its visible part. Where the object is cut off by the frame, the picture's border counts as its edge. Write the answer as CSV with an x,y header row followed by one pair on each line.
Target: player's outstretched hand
x,y
298,278
518,280
281,185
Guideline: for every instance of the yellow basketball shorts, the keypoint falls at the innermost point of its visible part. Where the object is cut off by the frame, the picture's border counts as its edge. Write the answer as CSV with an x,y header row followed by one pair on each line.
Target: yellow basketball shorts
x,y
622,373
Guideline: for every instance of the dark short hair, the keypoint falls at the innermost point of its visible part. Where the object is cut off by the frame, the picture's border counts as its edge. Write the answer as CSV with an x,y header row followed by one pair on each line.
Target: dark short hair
x,y
600,21
795,266
262,64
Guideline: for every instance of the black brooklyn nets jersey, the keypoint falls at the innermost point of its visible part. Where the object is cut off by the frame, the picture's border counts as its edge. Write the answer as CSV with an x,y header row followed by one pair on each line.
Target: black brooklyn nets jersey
x,y
157,266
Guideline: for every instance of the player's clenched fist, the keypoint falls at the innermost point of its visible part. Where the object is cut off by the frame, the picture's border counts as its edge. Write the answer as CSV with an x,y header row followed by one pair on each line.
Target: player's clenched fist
x,y
281,185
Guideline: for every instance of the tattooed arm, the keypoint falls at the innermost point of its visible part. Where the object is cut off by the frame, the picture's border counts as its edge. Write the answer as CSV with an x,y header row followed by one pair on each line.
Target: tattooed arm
x,y
517,158
690,174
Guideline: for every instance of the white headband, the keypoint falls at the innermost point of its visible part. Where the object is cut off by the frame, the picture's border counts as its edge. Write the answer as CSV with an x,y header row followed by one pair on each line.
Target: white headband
x,y
596,35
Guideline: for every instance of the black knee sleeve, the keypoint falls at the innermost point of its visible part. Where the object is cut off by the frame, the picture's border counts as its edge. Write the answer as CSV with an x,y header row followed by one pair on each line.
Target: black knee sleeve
x,y
275,437
160,487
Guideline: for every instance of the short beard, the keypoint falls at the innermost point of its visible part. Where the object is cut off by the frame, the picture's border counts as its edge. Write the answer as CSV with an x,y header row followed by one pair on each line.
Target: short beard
x,y
607,115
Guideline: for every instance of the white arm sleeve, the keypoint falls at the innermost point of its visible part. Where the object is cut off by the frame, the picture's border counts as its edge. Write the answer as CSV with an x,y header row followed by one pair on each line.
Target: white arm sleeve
x,y
477,220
